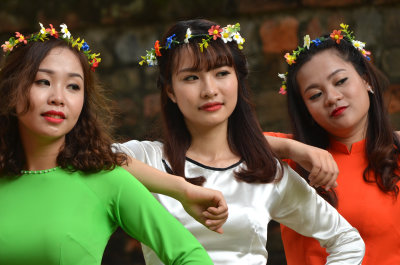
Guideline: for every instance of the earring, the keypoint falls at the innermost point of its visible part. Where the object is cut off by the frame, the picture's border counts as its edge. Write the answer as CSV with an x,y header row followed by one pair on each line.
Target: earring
x,y
370,90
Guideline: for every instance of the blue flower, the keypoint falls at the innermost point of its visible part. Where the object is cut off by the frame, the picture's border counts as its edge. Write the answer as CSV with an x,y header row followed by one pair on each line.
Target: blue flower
x,y
169,41
85,47
317,41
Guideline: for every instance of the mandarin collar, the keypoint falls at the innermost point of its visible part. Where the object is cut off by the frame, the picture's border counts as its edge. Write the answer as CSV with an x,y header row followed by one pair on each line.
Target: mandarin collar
x,y
357,147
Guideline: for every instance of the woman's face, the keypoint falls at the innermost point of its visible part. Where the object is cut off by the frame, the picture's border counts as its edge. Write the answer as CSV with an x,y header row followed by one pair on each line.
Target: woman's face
x,y
335,95
56,97
205,98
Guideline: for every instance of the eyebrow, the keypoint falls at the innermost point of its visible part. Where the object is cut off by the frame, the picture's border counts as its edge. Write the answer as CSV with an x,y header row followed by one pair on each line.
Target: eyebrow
x,y
52,72
194,69
188,69
329,77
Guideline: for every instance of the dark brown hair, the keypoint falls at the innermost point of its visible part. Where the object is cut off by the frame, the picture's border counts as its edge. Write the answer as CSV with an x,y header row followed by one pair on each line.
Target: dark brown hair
x,y
382,143
87,146
245,136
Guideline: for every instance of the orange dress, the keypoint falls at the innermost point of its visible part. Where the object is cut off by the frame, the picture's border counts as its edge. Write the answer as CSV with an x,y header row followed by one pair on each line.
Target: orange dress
x,y
374,213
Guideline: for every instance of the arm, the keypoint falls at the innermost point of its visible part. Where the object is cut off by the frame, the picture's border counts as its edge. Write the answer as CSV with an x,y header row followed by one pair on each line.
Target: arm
x,y
299,207
207,206
320,163
144,218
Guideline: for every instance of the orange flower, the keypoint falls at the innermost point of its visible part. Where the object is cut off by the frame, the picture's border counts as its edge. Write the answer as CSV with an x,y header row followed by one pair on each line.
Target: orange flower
x,y
21,38
336,36
157,48
290,59
53,32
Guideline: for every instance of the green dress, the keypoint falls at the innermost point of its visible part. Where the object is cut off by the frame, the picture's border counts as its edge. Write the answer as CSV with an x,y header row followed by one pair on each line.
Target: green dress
x,y
67,218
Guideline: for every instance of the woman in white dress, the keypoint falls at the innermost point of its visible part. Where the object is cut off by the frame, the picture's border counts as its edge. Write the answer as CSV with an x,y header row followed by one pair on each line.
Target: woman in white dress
x,y
212,138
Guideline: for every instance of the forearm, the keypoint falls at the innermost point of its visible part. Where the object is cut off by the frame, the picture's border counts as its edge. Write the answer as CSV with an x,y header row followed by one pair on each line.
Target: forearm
x,y
280,146
157,181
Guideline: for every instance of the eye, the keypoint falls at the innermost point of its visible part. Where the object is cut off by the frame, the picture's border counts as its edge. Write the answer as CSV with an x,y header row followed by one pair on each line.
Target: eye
x,y
341,81
190,78
74,87
42,82
223,73
315,96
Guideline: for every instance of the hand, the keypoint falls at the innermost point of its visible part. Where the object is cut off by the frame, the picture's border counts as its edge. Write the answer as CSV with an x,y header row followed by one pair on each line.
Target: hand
x,y
205,205
319,162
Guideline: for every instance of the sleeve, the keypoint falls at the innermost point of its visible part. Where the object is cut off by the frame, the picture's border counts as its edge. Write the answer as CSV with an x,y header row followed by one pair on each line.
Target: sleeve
x,y
145,151
140,215
299,207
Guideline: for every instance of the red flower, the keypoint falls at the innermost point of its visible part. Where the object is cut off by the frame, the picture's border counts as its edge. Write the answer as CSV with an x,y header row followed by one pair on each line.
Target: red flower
x,y
20,37
336,36
215,31
53,32
157,48
94,64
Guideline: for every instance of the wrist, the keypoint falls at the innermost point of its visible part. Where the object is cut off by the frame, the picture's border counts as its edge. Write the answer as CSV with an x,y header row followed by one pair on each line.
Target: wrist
x,y
181,189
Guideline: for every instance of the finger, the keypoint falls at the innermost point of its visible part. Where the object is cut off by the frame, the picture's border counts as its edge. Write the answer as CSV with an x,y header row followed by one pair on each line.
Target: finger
x,y
210,222
217,211
313,177
331,184
328,173
211,216
334,173
217,228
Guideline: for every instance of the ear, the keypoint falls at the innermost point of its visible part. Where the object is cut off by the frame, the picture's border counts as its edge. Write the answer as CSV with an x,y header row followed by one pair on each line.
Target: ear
x,y
170,94
368,86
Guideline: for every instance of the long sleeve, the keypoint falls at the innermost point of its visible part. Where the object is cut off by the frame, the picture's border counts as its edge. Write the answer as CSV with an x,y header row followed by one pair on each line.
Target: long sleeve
x,y
299,207
142,217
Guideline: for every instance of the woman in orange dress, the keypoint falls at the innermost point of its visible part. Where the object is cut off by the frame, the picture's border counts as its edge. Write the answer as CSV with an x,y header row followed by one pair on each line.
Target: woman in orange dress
x,y
335,103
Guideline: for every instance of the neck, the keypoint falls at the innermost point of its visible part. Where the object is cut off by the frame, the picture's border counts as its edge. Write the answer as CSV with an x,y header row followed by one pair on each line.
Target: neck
x,y
42,154
350,139
210,146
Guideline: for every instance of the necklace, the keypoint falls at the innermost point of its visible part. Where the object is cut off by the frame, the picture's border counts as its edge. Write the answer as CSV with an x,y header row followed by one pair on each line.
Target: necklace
x,y
39,171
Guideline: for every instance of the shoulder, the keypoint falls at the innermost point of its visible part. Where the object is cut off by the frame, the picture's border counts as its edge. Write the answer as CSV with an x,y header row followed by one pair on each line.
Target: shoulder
x,y
114,178
278,134
138,149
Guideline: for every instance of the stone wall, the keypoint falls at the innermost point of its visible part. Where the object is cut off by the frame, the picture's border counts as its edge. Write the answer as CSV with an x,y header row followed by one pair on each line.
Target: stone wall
x,y
123,29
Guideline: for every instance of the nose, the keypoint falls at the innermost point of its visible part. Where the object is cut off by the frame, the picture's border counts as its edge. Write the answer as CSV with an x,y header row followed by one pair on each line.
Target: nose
x,y
209,89
56,97
332,96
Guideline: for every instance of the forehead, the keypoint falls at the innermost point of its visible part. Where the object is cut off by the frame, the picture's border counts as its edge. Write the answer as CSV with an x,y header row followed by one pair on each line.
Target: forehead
x,y
323,65
190,56
62,59
184,58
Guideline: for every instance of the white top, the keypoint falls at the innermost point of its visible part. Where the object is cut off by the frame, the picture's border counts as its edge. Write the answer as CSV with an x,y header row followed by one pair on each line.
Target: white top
x,y
290,201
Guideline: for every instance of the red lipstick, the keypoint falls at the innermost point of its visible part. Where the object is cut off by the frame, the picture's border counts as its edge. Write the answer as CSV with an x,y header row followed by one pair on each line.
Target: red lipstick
x,y
336,112
212,106
54,116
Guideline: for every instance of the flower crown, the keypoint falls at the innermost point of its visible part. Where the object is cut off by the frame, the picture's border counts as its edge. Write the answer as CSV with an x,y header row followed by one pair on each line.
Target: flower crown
x,y
44,34
227,34
336,35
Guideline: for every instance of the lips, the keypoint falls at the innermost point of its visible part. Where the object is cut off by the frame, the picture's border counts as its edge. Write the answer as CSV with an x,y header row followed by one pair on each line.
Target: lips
x,y
212,106
54,116
336,112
